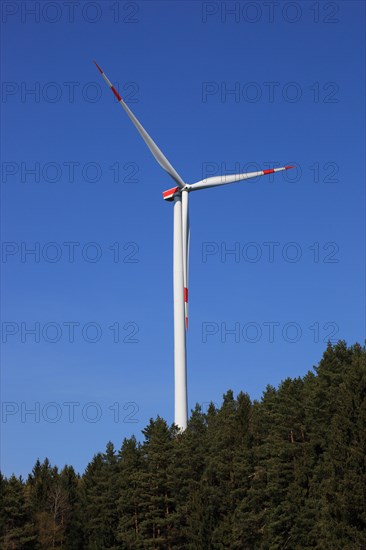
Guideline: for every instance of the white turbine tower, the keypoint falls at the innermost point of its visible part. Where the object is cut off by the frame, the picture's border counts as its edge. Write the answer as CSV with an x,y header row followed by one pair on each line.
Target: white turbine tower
x,y
179,195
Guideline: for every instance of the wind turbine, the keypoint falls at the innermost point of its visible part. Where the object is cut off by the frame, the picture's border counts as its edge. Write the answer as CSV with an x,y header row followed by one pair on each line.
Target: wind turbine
x,y
179,195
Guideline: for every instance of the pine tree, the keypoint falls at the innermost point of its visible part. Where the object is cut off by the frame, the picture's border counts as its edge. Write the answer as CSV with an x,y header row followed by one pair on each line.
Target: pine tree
x,y
158,506
18,532
92,502
48,502
72,513
284,463
340,474
99,497
131,468
190,450
228,432
3,515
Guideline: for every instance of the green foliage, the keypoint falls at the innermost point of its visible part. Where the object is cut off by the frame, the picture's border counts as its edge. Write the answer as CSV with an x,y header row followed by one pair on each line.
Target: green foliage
x,y
18,531
99,497
287,472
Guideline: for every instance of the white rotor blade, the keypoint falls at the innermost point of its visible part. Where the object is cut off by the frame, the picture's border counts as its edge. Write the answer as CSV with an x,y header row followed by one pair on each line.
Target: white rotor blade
x,y
185,238
159,156
232,178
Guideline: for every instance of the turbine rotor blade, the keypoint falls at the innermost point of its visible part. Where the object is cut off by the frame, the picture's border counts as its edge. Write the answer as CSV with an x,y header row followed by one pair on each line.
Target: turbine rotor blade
x,y
185,239
232,178
157,153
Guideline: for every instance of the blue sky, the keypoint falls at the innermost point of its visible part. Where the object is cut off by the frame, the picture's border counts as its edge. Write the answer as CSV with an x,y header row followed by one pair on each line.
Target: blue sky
x,y
218,91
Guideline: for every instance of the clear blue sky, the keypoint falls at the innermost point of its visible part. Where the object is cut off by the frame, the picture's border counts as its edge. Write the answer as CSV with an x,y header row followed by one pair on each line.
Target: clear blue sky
x,y
298,78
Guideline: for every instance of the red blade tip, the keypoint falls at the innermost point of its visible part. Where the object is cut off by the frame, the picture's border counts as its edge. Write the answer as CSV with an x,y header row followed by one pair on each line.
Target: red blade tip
x,y
288,167
99,69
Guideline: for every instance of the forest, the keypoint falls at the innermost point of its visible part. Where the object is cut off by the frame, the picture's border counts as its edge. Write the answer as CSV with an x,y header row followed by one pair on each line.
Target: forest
x,y
284,472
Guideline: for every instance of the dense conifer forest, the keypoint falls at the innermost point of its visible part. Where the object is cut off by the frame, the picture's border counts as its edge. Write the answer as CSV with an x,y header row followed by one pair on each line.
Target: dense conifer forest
x,y
287,472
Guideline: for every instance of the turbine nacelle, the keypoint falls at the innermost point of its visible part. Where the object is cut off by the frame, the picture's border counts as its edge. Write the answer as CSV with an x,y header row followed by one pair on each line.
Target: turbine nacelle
x,y
169,194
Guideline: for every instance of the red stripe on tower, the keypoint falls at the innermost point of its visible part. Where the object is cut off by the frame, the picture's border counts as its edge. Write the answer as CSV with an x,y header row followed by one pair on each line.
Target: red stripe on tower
x,y
186,295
